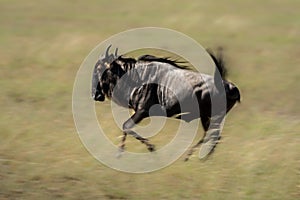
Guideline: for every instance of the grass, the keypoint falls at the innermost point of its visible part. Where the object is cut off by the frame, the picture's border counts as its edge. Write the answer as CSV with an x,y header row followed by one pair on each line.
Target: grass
x,y
42,46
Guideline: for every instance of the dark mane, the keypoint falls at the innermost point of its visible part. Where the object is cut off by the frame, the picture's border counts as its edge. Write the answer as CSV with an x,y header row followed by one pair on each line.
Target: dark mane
x,y
150,58
219,62
126,60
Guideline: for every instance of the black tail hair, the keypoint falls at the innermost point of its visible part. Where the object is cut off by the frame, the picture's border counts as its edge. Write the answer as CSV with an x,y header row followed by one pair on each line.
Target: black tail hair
x,y
219,61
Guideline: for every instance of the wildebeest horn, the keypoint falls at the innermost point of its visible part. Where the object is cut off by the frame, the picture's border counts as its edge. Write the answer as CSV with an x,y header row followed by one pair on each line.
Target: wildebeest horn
x,y
116,52
107,50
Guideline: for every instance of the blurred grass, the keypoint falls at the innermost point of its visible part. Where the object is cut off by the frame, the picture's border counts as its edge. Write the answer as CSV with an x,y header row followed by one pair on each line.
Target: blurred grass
x,y
42,46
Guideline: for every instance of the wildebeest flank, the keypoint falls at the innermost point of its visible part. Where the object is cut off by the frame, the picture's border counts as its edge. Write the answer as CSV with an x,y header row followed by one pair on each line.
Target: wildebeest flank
x,y
141,83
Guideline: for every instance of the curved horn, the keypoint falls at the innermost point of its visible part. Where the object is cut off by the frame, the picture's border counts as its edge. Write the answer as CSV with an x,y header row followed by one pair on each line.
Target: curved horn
x,y
116,52
107,50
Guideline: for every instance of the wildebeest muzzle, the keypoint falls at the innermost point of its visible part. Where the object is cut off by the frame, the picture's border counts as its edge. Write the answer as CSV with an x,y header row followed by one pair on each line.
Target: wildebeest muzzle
x,y
98,95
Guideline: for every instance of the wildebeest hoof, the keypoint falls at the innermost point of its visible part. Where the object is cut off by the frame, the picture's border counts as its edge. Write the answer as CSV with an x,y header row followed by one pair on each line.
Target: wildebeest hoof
x,y
151,147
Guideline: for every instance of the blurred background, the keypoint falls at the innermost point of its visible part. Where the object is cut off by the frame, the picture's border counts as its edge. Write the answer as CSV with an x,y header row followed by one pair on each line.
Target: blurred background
x,y
42,46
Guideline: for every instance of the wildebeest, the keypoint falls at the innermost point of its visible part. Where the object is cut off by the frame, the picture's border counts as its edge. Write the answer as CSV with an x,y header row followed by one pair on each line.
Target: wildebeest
x,y
141,83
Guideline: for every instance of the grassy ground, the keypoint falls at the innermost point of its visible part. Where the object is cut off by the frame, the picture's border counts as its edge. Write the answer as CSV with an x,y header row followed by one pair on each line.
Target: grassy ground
x,y
42,46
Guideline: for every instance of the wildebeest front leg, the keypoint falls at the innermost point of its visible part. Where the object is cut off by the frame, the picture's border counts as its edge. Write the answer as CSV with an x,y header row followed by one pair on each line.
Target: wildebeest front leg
x,y
130,123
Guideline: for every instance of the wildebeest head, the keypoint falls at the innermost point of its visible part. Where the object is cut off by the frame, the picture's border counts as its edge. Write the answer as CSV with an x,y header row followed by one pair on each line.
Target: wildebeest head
x,y
102,64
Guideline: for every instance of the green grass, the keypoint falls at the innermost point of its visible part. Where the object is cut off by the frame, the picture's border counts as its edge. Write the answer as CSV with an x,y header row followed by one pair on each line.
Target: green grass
x,y
42,46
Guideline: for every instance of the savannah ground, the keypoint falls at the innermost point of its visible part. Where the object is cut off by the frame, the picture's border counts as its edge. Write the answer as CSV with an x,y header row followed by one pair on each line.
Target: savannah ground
x,y
42,46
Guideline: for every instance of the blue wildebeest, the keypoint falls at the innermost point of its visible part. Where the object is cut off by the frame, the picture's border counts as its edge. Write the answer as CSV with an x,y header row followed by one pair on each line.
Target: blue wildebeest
x,y
141,83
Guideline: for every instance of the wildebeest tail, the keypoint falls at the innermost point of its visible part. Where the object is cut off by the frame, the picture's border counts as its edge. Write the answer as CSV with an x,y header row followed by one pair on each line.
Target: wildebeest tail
x,y
219,62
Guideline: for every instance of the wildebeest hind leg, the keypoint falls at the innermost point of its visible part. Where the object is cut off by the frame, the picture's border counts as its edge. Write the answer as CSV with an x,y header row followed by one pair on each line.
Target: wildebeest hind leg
x,y
191,151
205,123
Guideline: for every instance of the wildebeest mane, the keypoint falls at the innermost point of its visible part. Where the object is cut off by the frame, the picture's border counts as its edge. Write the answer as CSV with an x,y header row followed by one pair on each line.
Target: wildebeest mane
x,y
126,59
125,62
151,58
